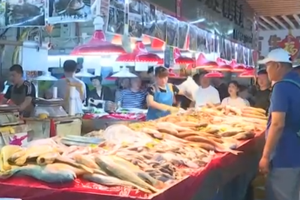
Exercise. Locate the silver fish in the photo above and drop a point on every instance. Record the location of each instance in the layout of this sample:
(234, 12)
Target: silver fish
(111, 181)
(122, 172)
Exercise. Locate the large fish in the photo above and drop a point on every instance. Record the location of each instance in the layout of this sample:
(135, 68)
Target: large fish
(111, 181)
(32, 152)
(140, 173)
(89, 162)
(122, 172)
(6, 152)
(54, 157)
(49, 173)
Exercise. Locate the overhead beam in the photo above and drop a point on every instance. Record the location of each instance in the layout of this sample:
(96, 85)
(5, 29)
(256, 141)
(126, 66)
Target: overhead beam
(269, 22)
(297, 18)
(289, 22)
(264, 26)
(279, 22)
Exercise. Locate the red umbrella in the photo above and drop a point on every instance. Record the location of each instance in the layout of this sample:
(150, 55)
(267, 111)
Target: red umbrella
(139, 54)
(97, 46)
(203, 63)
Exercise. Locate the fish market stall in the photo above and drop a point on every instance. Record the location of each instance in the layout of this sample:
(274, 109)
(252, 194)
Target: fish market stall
(50, 119)
(146, 160)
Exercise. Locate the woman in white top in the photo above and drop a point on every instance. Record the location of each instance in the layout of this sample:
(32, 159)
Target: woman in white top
(234, 99)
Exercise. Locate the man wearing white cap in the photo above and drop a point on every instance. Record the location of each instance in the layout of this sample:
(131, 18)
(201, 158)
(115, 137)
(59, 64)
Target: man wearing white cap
(280, 159)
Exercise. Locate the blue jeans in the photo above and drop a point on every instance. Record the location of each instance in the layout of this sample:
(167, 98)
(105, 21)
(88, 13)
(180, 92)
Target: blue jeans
(283, 184)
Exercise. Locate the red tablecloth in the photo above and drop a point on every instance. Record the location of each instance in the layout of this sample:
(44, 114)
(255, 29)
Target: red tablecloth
(30, 189)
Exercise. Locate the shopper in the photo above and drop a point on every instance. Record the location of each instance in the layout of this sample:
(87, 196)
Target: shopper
(280, 160)
(122, 84)
(64, 85)
(234, 99)
(99, 92)
(221, 87)
(262, 95)
(21, 93)
(206, 93)
(134, 97)
(161, 95)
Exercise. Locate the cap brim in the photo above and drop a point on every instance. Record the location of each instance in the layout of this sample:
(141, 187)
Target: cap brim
(264, 61)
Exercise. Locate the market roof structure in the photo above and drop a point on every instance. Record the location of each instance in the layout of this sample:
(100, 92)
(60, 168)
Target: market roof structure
(277, 14)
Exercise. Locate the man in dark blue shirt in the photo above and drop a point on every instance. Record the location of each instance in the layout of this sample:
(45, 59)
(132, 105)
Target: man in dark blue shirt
(280, 159)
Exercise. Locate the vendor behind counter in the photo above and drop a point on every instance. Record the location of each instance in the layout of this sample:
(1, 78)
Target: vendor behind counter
(21, 93)
(100, 93)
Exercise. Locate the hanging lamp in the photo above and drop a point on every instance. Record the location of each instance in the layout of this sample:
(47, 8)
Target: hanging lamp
(247, 74)
(214, 75)
(124, 73)
(157, 44)
(140, 55)
(182, 60)
(174, 75)
(110, 78)
(203, 63)
(46, 77)
(222, 66)
(84, 73)
(249, 68)
(237, 67)
(98, 45)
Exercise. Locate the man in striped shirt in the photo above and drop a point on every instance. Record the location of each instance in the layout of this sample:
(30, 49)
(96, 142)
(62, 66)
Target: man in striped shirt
(134, 97)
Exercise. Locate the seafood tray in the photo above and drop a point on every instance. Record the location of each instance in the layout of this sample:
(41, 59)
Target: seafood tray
(147, 157)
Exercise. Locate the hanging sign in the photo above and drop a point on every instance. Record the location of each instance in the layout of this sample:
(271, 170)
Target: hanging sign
(135, 19)
(23, 13)
(291, 45)
(65, 11)
(116, 17)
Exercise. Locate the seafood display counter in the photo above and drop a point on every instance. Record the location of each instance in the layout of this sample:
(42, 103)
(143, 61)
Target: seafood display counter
(50, 119)
(175, 157)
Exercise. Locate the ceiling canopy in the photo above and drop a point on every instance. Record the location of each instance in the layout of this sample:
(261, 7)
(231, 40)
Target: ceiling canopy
(277, 14)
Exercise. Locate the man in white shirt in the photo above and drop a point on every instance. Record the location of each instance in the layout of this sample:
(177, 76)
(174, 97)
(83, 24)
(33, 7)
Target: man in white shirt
(206, 93)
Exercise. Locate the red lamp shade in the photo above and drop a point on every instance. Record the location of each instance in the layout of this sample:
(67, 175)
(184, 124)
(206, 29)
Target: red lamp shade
(182, 60)
(157, 44)
(214, 75)
(237, 67)
(247, 74)
(97, 46)
(222, 66)
(139, 54)
(190, 66)
(173, 75)
(249, 68)
(203, 63)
